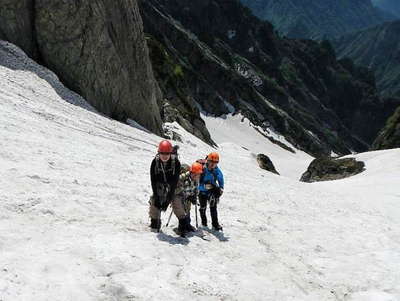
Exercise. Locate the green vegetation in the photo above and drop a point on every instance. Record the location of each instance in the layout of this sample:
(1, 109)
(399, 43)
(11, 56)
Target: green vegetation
(289, 71)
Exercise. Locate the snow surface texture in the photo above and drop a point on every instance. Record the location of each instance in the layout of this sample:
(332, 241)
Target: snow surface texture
(73, 213)
(237, 129)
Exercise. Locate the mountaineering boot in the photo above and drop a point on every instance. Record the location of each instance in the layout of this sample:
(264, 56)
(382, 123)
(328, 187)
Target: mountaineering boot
(182, 227)
(214, 218)
(188, 226)
(217, 227)
(203, 217)
(155, 224)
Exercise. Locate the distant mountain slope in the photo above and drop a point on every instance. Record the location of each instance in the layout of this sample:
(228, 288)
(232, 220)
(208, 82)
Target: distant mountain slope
(390, 6)
(379, 49)
(317, 19)
(218, 55)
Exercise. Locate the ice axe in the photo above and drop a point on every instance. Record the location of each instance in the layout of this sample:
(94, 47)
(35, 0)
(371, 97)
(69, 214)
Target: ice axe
(169, 219)
(197, 223)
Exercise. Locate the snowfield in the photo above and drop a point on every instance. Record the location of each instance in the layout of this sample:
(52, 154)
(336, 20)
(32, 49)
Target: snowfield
(237, 129)
(74, 190)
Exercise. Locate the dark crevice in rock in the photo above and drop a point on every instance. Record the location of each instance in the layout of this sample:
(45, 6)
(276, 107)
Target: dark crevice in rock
(37, 54)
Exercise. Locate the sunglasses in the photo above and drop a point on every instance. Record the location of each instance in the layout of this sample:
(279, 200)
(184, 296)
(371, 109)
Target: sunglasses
(216, 162)
(165, 154)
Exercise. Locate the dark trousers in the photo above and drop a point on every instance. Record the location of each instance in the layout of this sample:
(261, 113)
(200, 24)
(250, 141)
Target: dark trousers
(203, 198)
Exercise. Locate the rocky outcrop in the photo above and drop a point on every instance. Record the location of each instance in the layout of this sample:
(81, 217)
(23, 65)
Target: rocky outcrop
(96, 47)
(230, 61)
(17, 24)
(327, 169)
(317, 19)
(389, 137)
(178, 103)
(265, 163)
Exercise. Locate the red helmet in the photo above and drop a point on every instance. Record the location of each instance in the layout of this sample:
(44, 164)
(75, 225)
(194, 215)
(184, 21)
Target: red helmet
(213, 157)
(165, 147)
(196, 168)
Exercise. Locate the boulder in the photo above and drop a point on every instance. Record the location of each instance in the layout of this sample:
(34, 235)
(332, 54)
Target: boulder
(327, 169)
(265, 163)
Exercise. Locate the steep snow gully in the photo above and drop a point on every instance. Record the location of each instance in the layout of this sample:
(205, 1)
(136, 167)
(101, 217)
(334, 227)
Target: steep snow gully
(74, 190)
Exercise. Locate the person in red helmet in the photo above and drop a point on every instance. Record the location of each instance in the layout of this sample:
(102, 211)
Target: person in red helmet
(164, 176)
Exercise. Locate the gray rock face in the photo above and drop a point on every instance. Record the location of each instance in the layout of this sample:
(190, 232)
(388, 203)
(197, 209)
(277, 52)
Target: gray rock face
(16, 24)
(327, 169)
(178, 105)
(96, 47)
(266, 163)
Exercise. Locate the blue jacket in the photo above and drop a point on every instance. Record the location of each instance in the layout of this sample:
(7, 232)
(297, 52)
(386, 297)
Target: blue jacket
(214, 177)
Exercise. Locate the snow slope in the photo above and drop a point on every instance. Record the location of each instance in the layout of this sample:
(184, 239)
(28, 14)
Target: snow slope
(237, 129)
(73, 213)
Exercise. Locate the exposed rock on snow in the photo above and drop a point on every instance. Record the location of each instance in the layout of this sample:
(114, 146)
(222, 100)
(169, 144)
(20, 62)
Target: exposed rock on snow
(327, 169)
(266, 163)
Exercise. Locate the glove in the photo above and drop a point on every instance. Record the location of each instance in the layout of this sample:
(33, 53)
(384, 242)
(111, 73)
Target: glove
(217, 192)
